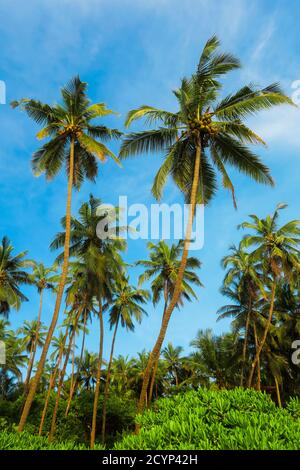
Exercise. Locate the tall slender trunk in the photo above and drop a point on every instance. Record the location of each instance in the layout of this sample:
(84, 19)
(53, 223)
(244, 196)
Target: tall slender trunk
(265, 334)
(258, 362)
(61, 379)
(35, 344)
(278, 392)
(29, 369)
(60, 291)
(178, 285)
(51, 384)
(246, 341)
(155, 367)
(106, 390)
(97, 388)
(74, 383)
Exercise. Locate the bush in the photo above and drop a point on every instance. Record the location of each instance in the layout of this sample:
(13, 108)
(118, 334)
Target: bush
(26, 441)
(214, 420)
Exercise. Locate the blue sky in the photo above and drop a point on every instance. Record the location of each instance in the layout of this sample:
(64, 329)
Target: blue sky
(134, 52)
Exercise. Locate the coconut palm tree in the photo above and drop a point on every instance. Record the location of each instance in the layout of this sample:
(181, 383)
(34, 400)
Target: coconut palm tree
(173, 360)
(33, 335)
(43, 278)
(87, 367)
(125, 307)
(75, 142)
(277, 247)
(12, 276)
(59, 351)
(203, 137)
(247, 278)
(162, 268)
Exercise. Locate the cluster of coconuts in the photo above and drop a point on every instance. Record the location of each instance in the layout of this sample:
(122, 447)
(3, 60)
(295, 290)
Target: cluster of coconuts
(72, 128)
(204, 125)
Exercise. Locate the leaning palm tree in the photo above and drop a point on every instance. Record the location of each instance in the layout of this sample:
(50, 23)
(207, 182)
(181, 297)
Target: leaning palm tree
(125, 307)
(74, 141)
(12, 276)
(277, 247)
(203, 137)
(162, 268)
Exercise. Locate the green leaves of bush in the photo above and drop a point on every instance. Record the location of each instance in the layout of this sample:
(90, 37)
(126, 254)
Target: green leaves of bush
(215, 420)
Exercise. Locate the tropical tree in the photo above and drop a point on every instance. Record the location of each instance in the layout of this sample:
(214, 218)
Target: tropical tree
(277, 248)
(125, 308)
(200, 139)
(246, 277)
(43, 278)
(74, 141)
(33, 335)
(173, 360)
(162, 268)
(12, 276)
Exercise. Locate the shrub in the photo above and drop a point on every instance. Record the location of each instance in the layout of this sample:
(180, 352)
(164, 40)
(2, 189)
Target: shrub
(215, 420)
(26, 441)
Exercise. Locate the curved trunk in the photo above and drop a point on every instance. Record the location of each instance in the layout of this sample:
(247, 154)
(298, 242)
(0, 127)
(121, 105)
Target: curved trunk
(106, 390)
(265, 334)
(51, 385)
(60, 291)
(30, 366)
(278, 392)
(258, 362)
(97, 388)
(245, 342)
(74, 384)
(61, 380)
(155, 367)
(177, 289)
(35, 343)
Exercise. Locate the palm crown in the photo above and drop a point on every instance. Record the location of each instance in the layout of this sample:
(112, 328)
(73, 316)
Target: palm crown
(217, 127)
(70, 121)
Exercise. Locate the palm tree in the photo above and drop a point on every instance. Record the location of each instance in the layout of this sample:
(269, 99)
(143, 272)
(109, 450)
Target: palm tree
(32, 340)
(201, 128)
(42, 278)
(59, 350)
(173, 360)
(163, 267)
(246, 276)
(277, 248)
(87, 367)
(12, 275)
(73, 142)
(101, 261)
(125, 306)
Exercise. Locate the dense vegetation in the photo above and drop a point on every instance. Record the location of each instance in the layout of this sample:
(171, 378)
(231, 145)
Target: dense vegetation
(85, 398)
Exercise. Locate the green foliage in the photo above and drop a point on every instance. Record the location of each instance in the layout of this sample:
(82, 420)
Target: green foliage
(214, 420)
(26, 441)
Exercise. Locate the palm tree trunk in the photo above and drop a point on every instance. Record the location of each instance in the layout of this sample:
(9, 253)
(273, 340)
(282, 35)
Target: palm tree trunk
(36, 380)
(97, 388)
(74, 383)
(29, 369)
(245, 342)
(266, 331)
(155, 367)
(278, 392)
(258, 383)
(177, 289)
(35, 343)
(61, 380)
(106, 390)
(51, 384)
